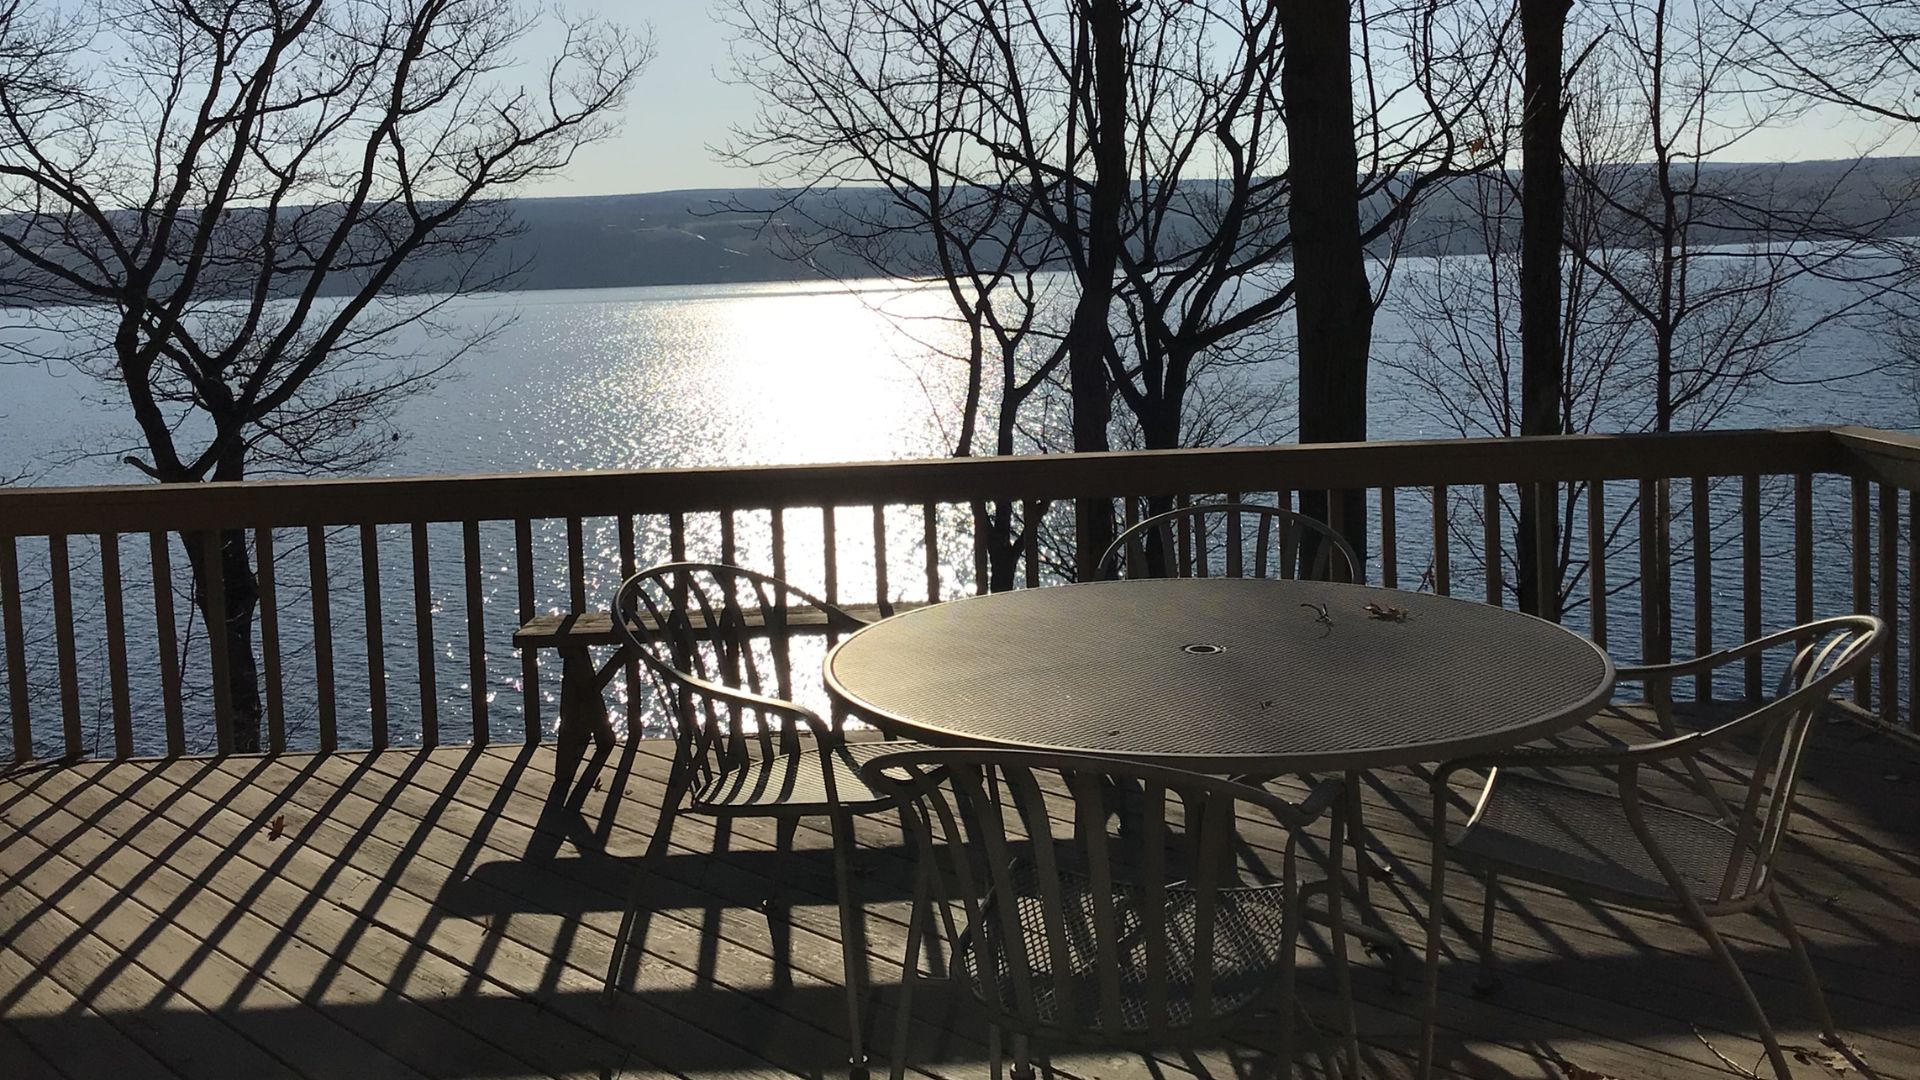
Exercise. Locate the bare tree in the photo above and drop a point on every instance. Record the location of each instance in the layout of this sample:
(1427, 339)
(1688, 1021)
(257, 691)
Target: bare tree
(1860, 57)
(1684, 280)
(1147, 153)
(243, 200)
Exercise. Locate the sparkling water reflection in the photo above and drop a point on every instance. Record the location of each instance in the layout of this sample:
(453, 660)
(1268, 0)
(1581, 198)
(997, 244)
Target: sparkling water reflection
(676, 377)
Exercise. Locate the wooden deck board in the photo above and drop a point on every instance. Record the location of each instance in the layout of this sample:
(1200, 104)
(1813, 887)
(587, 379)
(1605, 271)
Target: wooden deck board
(433, 914)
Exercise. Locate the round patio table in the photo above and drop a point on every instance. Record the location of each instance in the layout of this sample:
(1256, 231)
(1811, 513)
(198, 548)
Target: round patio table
(1222, 675)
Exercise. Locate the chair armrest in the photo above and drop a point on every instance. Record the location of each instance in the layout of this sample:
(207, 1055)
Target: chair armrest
(1719, 659)
(746, 699)
(1587, 757)
(1322, 796)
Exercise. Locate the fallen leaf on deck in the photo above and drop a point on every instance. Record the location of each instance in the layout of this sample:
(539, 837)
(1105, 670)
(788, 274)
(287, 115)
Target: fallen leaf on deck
(1833, 1061)
(1575, 1072)
(277, 826)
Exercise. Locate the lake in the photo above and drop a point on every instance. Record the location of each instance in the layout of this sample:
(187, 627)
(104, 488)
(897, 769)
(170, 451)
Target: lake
(707, 375)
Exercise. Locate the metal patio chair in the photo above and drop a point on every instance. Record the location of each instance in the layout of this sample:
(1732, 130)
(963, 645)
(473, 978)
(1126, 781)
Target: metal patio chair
(1138, 940)
(716, 640)
(1232, 539)
(1694, 853)
(1237, 540)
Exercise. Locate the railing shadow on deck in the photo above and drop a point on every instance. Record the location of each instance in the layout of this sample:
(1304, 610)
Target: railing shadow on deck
(141, 817)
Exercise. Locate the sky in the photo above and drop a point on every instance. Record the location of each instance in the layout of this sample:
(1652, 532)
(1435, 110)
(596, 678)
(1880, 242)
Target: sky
(683, 104)
(680, 106)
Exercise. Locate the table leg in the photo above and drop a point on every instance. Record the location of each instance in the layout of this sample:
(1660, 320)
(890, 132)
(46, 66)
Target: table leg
(1372, 929)
(583, 716)
(1436, 918)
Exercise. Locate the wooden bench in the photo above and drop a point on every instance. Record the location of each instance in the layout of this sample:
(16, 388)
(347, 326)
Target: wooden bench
(583, 705)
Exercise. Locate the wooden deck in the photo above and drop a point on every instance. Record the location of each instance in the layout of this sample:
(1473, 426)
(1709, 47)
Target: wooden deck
(432, 914)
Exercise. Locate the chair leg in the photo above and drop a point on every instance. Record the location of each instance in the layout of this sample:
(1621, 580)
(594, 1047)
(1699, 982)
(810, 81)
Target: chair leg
(1488, 981)
(909, 974)
(1022, 1058)
(1727, 963)
(1290, 1002)
(1342, 973)
(1815, 995)
(995, 1056)
(633, 920)
(853, 951)
(940, 968)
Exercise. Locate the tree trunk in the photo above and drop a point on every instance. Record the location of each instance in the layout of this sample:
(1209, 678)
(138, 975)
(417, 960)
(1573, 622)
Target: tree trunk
(242, 590)
(1543, 203)
(1088, 337)
(1333, 304)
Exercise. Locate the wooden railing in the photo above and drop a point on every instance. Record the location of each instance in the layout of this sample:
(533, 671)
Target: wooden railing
(1678, 542)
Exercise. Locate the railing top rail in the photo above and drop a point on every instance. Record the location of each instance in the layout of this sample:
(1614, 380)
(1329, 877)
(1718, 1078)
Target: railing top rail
(292, 503)
(1890, 457)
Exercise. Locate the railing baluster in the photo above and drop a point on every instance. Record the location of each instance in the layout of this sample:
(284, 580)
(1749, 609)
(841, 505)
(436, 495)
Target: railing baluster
(1389, 542)
(677, 536)
(215, 600)
(1656, 576)
(476, 633)
(981, 576)
(1546, 551)
(1031, 523)
(424, 653)
(114, 604)
(728, 552)
(1442, 571)
(167, 641)
(376, 635)
(1750, 586)
(1702, 582)
(18, 703)
(1862, 579)
(529, 658)
(629, 566)
(322, 601)
(1236, 565)
(929, 521)
(1803, 548)
(269, 594)
(1490, 516)
(576, 564)
(65, 653)
(830, 552)
(1890, 603)
(778, 533)
(1913, 611)
(1597, 560)
(880, 589)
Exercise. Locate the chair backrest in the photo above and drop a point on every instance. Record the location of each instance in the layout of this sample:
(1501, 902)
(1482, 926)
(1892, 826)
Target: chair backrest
(718, 641)
(1125, 939)
(1834, 650)
(1232, 539)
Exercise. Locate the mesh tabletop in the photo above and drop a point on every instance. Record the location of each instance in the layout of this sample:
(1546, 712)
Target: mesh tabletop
(1222, 674)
